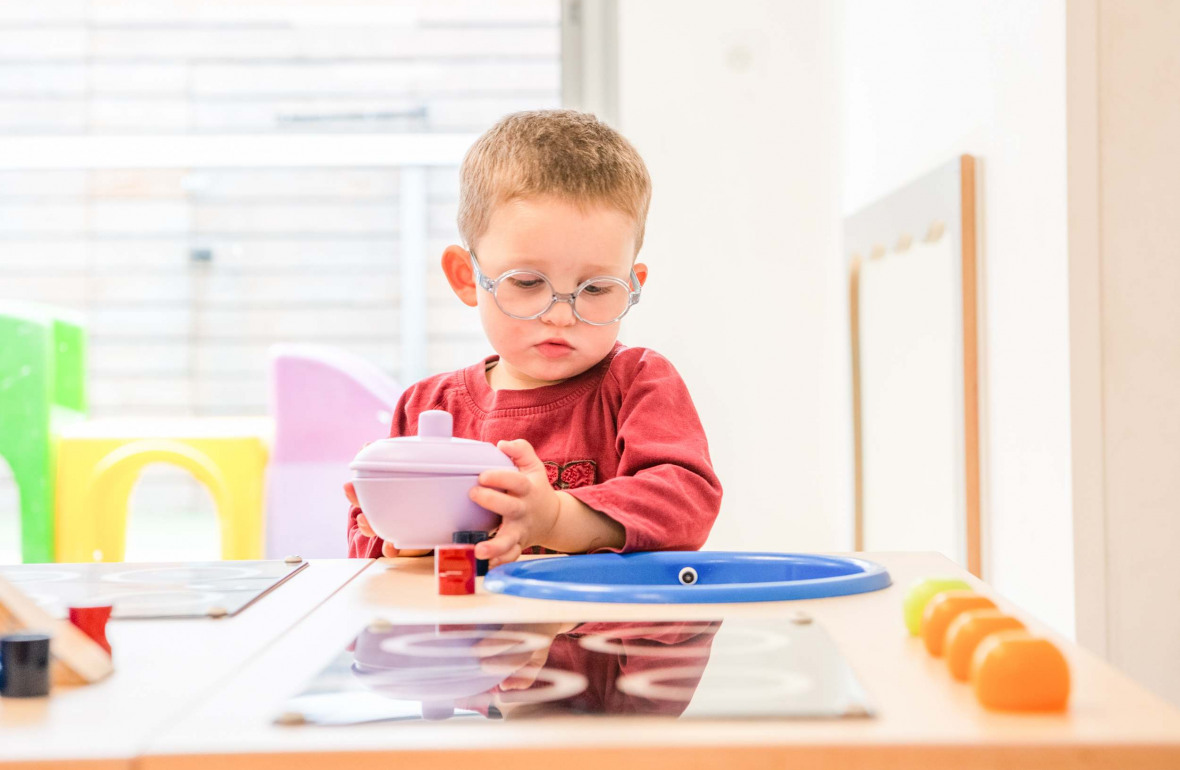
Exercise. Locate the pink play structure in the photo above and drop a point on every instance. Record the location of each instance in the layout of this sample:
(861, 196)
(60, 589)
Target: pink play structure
(327, 404)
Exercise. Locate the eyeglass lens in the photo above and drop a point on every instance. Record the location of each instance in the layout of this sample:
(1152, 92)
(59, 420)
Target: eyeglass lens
(529, 294)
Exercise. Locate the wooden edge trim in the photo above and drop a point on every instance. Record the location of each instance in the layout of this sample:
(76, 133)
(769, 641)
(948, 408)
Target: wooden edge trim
(858, 527)
(979, 755)
(967, 239)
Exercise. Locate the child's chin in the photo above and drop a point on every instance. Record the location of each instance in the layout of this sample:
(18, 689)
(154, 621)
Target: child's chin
(554, 371)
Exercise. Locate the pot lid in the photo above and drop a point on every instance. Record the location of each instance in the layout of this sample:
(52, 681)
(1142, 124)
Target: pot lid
(433, 450)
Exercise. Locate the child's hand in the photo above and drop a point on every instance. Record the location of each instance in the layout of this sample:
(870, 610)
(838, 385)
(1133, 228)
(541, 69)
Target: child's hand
(362, 523)
(525, 674)
(527, 504)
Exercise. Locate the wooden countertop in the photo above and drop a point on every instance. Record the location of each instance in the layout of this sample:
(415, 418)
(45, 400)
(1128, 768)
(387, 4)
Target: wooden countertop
(926, 718)
(161, 668)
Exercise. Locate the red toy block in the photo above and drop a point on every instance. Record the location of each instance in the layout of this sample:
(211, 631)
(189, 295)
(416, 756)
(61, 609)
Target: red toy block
(454, 566)
(92, 620)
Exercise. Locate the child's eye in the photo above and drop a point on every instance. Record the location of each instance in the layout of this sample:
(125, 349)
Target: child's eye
(523, 282)
(599, 289)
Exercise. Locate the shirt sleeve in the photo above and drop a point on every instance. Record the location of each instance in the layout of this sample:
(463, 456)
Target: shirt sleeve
(665, 494)
(360, 546)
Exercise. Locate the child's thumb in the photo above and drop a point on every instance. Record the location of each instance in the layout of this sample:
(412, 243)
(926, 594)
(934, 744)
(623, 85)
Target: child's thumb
(521, 453)
(517, 448)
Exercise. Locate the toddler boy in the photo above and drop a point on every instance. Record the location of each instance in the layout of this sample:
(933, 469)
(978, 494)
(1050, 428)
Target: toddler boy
(609, 451)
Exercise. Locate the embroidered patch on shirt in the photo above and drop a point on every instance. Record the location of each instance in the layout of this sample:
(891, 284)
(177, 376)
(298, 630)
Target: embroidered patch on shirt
(579, 473)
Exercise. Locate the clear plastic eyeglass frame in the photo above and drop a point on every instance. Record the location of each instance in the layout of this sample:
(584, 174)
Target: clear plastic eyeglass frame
(490, 285)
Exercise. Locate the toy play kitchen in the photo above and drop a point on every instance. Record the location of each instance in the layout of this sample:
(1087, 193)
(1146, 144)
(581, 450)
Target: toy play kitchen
(661, 660)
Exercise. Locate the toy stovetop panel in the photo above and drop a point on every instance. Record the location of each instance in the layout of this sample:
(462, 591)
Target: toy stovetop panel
(151, 590)
(737, 668)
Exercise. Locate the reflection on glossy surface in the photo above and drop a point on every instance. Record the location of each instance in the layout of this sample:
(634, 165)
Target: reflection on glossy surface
(441, 663)
(690, 668)
(147, 590)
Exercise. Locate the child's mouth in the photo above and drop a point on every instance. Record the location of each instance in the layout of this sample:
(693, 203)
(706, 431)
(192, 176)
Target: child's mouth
(554, 348)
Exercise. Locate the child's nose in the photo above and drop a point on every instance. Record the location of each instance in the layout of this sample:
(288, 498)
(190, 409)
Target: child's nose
(561, 313)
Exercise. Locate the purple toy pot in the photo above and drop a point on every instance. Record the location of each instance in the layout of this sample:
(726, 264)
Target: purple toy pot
(413, 489)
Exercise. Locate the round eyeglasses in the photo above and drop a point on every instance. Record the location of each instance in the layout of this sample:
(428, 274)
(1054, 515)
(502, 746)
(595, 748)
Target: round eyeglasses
(527, 294)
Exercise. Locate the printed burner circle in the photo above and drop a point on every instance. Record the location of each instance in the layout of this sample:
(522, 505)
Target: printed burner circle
(482, 643)
(256, 584)
(160, 603)
(559, 685)
(47, 602)
(751, 684)
(753, 641)
(181, 575)
(38, 576)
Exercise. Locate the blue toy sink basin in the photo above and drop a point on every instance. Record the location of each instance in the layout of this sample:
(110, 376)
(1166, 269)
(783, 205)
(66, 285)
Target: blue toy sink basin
(687, 577)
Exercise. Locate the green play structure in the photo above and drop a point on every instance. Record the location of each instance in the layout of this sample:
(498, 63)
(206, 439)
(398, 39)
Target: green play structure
(42, 385)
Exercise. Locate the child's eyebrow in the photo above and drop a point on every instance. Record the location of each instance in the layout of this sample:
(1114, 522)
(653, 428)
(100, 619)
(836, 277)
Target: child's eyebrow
(584, 271)
(595, 272)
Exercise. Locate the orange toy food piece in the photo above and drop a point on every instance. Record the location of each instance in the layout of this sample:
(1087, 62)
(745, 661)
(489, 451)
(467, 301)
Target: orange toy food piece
(944, 608)
(966, 632)
(1016, 671)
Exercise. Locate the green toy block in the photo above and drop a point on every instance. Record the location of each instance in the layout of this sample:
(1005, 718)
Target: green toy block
(42, 382)
(920, 594)
(69, 365)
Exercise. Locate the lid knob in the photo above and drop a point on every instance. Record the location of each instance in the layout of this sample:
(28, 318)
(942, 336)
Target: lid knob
(435, 424)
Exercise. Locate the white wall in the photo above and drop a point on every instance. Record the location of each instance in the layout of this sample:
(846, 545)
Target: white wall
(765, 123)
(1124, 162)
(923, 81)
(733, 107)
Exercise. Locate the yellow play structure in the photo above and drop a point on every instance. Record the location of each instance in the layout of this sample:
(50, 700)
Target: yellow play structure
(75, 476)
(99, 461)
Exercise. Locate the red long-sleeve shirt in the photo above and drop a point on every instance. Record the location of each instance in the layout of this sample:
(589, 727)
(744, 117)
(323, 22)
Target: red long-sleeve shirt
(623, 437)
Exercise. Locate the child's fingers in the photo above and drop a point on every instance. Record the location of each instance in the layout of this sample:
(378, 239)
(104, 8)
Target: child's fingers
(513, 482)
(363, 525)
(496, 501)
(389, 550)
(525, 676)
(505, 539)
(521, 679)
(511, 555)
(350, 493)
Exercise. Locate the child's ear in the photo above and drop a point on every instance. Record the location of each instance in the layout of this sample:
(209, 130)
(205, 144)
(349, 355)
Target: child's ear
(640, 272)
(456, 264)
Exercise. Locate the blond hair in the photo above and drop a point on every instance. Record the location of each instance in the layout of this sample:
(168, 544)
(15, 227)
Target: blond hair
(568, 154)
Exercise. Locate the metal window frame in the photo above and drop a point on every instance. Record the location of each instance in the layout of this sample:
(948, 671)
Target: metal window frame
(590, 57)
